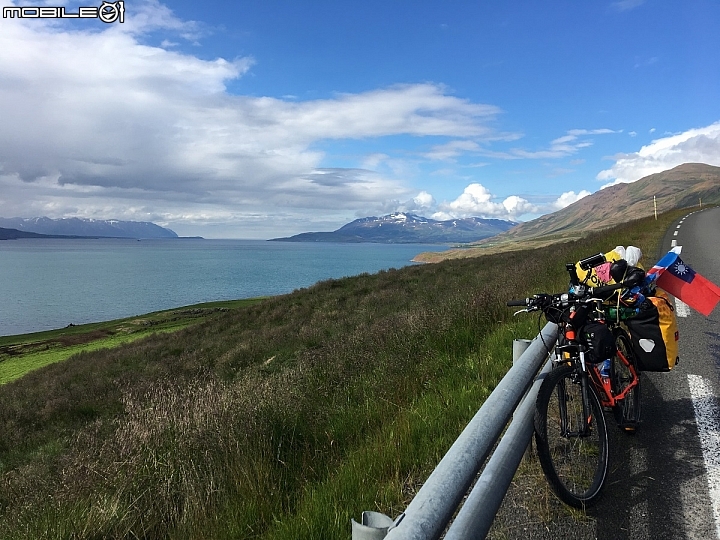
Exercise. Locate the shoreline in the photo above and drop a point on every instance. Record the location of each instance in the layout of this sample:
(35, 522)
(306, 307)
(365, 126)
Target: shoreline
(81, 327)
(22, 353)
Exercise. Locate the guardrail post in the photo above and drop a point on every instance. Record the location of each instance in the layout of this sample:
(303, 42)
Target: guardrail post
(519, 347)
(373, 526)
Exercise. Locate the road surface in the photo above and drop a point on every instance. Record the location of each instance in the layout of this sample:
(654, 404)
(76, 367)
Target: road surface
(664, 481)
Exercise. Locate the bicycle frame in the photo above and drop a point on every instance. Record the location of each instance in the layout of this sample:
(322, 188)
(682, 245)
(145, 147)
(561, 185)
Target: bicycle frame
(574, 353)
(604, 388)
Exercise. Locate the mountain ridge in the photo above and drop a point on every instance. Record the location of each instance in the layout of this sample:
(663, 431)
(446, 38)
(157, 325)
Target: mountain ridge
(83, 227)
(406, 228)
(678, 187)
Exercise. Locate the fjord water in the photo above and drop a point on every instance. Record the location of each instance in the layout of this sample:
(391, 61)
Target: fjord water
(50, 283)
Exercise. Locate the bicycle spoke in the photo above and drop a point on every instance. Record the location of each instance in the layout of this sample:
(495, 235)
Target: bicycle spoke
(573, 458)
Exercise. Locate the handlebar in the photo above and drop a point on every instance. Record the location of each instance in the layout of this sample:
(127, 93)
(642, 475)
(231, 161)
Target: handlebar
(579, 294)
(575, 305)
(539, 301)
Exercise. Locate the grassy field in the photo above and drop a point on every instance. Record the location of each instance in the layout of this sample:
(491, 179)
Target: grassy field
(27, 352)
(282, 419)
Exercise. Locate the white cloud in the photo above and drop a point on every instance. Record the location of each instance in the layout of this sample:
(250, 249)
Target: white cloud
(517, 206)
(442, 216)
(373, 161)
(567, 198)
(476, 200)
(423, 203)
(451, 150)
(701, 145)
(424, 200)
(98, 121)
(566, 145)
(572, 142)
(149, 15)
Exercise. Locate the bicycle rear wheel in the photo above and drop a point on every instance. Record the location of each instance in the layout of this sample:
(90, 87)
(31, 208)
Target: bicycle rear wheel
(575, 463)
(627, 410)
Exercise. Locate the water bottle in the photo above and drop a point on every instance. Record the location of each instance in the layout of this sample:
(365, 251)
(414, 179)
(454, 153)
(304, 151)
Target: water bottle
(604, 369)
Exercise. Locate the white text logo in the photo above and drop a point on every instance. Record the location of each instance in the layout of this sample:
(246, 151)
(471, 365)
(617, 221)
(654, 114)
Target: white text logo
(108, 12)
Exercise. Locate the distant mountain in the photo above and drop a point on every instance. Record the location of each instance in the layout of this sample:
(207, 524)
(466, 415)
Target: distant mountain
(88, 227)
(402, 228)
(14, 234)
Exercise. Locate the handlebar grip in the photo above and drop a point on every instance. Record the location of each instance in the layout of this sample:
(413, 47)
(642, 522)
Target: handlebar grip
(522, 303)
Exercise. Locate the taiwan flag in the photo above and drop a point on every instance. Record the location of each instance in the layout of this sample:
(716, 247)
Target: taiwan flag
(677, 278)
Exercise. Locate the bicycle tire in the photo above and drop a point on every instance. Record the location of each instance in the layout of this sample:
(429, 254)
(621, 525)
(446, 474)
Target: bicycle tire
(574, 465)
(626, 411)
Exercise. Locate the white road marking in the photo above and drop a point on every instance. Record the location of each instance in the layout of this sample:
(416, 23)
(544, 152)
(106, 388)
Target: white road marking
(681, 308)
(677, 227)
(707, 416)
(675, 233)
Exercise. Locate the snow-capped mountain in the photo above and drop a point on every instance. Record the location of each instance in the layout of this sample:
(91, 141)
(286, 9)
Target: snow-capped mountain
(401, 227)
(111, 228)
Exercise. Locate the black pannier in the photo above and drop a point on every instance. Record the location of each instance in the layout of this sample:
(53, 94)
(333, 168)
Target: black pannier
(654, 334)
(599, 338)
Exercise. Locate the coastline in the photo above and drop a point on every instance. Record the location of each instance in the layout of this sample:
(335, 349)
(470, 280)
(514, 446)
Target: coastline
(22, 353)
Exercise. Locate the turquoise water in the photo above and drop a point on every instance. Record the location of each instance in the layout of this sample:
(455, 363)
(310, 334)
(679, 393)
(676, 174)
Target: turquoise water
(48, 284)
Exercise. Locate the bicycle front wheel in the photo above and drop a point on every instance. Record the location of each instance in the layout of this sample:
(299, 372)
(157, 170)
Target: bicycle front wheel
(627, 410)
(573, 453)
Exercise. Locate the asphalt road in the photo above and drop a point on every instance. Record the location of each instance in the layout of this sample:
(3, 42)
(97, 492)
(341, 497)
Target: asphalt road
(660, 486)
(664, 481)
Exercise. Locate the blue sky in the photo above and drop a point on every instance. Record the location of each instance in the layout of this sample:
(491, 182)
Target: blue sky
(256, 119)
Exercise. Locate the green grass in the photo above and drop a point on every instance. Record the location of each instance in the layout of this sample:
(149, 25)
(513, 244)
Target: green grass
(24, 353)
(282, 419)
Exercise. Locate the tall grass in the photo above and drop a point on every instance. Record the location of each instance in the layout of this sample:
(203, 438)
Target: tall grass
(279, 420)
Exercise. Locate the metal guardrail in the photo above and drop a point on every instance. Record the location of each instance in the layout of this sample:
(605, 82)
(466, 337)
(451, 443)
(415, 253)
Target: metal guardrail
(429, 513)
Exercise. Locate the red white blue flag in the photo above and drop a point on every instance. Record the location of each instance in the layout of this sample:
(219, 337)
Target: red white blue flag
(684, 283)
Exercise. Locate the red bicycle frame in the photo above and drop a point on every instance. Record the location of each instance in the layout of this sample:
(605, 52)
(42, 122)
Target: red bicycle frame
(604, 387)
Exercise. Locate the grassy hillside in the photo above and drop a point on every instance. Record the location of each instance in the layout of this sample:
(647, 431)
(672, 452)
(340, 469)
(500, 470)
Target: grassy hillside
(684, 186)
(681, 187)
(283, 419)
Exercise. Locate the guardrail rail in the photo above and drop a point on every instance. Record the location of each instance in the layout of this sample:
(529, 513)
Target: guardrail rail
(431, 510)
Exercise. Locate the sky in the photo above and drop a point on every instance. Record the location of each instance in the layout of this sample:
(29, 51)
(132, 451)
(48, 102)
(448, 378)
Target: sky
(264, 118)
